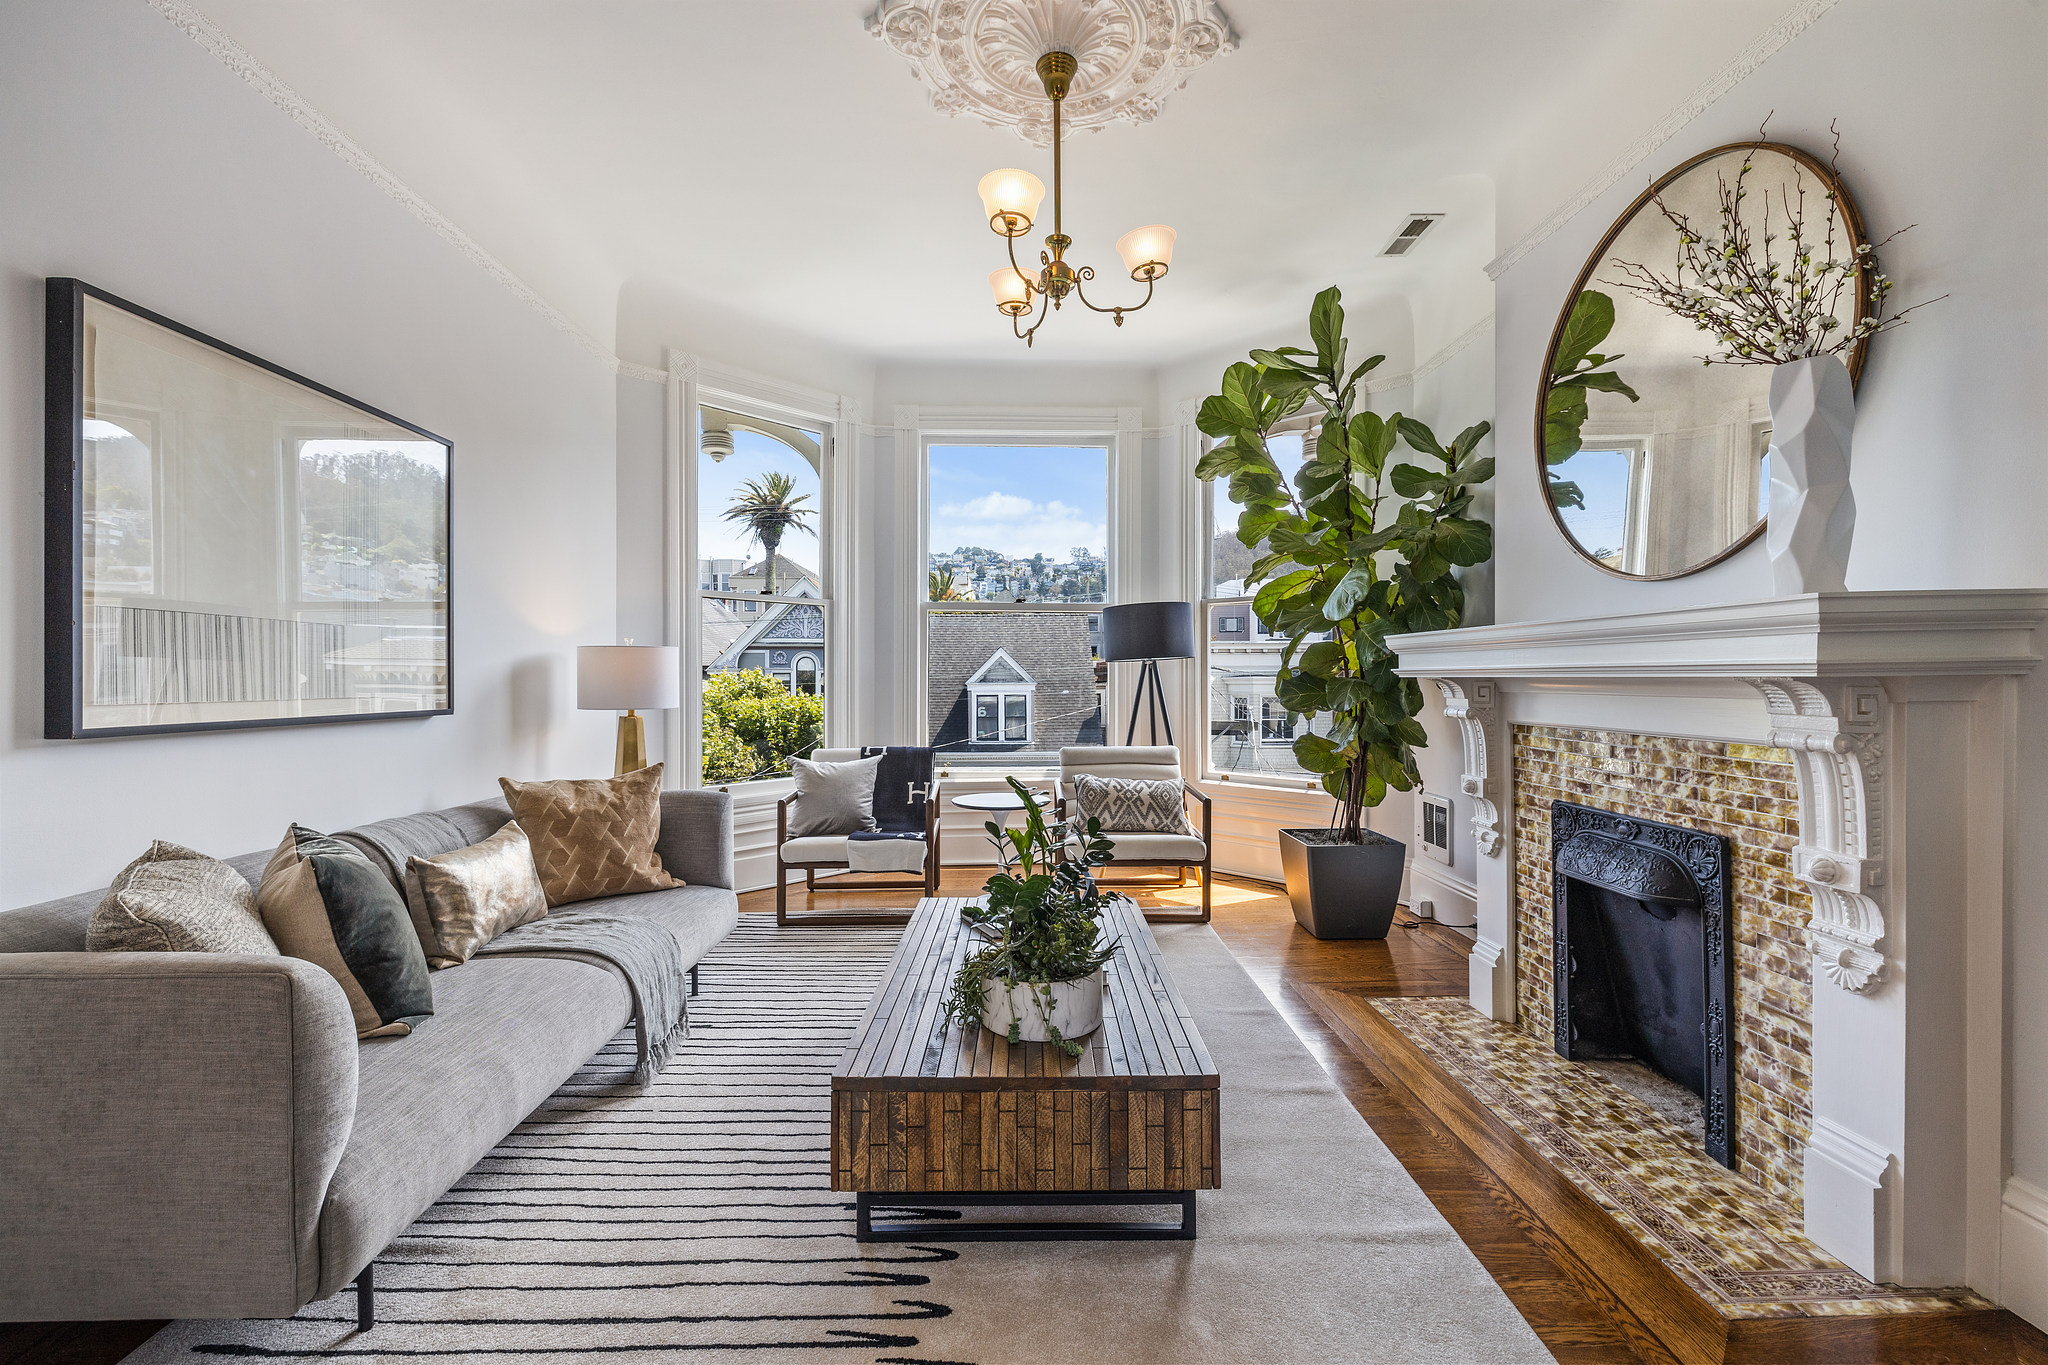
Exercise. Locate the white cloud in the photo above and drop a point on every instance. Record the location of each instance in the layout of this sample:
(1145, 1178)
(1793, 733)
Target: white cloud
(1016, 526)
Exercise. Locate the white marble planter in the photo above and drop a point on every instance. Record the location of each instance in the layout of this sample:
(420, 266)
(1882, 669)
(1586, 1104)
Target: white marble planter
(1076, 1011)
(1813, 510)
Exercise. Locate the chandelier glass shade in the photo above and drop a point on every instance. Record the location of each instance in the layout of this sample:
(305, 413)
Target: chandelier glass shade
(1011, 199)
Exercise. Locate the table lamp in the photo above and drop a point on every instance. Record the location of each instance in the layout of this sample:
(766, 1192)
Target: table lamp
(1149, 631)
(627, 678)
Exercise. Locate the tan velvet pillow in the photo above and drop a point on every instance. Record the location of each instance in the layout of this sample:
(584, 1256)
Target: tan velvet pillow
(592, 838)
(475, 894)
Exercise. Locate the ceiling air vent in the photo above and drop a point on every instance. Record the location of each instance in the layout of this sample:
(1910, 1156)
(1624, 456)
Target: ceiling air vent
(1410, 233)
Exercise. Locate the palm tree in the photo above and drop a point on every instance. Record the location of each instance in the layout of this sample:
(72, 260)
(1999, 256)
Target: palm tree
(767, 508)
(943, 588)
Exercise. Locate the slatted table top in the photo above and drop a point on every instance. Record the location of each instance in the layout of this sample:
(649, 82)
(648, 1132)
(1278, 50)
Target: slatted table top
(1148, 1038)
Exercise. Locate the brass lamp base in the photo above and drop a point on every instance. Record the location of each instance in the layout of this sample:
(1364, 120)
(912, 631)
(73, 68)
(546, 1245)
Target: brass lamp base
(632, 756)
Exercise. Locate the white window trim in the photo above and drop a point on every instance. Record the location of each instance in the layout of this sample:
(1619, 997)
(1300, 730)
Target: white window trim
(920, 428)
(694, 382)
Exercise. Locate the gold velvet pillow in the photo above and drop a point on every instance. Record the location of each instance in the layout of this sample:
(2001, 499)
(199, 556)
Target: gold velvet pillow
(592, 838)
(475, 894)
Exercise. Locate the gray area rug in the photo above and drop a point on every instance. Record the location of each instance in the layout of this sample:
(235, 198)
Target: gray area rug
(693, 1222)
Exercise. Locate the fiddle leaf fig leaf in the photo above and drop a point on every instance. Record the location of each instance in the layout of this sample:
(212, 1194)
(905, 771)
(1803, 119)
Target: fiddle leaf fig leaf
(1326, 327)
(1591, 319)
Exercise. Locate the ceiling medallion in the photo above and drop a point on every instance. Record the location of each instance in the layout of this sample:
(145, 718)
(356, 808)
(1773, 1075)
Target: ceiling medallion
(980, 57)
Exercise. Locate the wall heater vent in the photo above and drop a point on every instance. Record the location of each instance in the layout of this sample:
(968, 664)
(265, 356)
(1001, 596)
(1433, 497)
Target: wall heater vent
(1433, 827)
(1410, 233)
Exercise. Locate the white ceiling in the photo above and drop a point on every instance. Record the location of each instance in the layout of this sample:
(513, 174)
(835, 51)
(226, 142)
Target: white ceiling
(770, 160)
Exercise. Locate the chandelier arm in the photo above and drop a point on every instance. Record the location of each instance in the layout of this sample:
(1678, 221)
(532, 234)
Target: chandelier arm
(1011, 243)
(1026, 336)
(1088, 272)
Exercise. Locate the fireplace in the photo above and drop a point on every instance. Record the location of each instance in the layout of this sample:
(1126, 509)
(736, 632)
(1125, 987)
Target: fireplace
(1640, 953)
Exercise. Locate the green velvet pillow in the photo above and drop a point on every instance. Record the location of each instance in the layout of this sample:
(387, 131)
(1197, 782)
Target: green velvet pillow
(324, 901)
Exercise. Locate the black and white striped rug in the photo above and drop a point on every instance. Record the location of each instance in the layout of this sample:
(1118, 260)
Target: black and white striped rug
(693, 1221)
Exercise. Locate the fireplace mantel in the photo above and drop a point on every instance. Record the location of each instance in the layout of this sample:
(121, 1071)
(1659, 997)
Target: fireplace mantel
(1901, 713)
(1967, 631)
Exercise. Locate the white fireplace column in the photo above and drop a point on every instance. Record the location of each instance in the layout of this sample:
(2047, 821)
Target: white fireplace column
(1486, 784)
(1899, 709)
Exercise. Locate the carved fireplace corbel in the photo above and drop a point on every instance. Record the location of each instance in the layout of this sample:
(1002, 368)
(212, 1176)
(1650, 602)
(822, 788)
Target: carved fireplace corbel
(1470, 702)
(1839, 755)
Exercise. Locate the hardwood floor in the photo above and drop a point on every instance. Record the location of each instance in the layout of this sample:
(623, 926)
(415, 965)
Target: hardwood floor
(1557, 1262)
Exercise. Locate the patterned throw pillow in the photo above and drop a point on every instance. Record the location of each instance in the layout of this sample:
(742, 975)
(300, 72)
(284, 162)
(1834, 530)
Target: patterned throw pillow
(475, 894)
(1131, 805)
(172, 900)
(326, 903)
(592, 838)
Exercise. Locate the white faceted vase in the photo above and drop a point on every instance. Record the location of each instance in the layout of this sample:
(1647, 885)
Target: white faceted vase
(1076, 1009)
(1813, 510)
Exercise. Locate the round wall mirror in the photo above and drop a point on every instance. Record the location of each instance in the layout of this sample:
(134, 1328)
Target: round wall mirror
(1654, 463)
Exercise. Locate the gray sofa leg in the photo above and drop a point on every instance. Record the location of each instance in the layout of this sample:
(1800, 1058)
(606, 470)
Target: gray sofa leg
(693, 979)
(366, 1298)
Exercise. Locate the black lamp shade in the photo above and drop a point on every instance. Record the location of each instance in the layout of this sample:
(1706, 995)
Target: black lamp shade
(1148, 630)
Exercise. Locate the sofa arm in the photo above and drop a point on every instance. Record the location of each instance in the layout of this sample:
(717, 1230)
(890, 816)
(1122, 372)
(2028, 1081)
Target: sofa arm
(172, 1122)
(695, 842)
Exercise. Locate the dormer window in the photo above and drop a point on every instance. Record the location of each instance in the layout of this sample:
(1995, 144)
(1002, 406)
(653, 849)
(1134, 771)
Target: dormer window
(999, 701)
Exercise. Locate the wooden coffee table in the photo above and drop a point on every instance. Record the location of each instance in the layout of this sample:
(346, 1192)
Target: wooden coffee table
(929, 1113)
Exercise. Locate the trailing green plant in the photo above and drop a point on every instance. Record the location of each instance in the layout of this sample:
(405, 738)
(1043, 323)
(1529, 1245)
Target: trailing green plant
(1576, 367)
(1351, 546)
(1042, 917)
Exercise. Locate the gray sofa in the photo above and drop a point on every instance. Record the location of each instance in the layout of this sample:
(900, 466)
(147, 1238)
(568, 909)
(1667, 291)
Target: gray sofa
(192, 1135)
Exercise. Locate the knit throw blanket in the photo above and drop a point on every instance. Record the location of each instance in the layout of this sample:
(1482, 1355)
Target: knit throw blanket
(646, 954)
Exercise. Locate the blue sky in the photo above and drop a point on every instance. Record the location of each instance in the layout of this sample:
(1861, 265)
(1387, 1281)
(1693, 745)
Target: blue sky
(1020, 500)
(752, 456)
(1602, 477)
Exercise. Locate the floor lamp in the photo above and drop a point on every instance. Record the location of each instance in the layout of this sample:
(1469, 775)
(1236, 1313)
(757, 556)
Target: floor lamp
(1145, 633)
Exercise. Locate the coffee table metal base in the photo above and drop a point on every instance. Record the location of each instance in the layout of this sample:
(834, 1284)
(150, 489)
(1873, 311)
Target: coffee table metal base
(869, 1230)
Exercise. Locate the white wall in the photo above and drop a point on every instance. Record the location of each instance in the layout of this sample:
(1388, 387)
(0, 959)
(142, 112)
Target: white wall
(132, 159)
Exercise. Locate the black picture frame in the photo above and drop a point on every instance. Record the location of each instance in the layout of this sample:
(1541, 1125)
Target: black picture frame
(64, 610)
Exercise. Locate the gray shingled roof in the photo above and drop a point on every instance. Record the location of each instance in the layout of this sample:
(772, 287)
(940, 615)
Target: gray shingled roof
(1052, 647)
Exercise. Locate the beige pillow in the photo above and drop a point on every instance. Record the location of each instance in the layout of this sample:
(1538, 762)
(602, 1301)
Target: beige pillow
(1132, 805)
(326, 903)
(475, 894)
(592, 838)
(173, 900)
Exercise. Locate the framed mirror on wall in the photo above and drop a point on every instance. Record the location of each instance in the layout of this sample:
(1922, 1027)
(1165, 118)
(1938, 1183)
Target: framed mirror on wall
(1654, 464)
(227, 544)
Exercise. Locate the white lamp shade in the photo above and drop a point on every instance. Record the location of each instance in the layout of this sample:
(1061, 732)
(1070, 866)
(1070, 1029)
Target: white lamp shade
(1013, 192)
(628, 677)
(1145, 246)
(1012, 290)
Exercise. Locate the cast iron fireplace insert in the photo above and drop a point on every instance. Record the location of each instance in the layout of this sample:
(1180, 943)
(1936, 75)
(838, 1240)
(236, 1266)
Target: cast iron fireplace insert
(1640, 953)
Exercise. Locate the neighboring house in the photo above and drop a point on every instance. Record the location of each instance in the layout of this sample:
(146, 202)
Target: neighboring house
(1248, 727)
(1012, 682)
(785, 640)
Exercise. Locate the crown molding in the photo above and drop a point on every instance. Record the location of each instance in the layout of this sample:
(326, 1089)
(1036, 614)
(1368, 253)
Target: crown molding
(1789, 25)
(236, 58)
(1435, 362)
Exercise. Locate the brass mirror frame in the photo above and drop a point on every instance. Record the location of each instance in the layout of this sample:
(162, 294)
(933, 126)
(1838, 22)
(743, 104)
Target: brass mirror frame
(1852, 222)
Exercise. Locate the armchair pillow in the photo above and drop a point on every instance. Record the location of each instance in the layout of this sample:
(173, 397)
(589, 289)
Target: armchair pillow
(474, 894)
(326, 903)
(833, 798)
(592, 838)
(1131, 805)
(173, 900)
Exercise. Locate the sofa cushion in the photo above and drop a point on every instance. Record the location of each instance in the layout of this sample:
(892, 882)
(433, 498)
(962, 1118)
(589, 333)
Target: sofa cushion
(475, 894)
(507, 1032)
(173, 900)
(326, 903)
(592, 837)
(699, 916)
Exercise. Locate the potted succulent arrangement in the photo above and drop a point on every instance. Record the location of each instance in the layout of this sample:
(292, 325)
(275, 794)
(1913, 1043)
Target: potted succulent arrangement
(1039, 977)
(1350, 548)
(1793, 296)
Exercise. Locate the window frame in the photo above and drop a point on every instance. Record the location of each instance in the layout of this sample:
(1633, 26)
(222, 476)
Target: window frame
(695, 384)
(1107, 430)
(1307, 421)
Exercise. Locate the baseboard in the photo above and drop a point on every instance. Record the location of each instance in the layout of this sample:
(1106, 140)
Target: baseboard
(1847, 1204)
(2023, 1251)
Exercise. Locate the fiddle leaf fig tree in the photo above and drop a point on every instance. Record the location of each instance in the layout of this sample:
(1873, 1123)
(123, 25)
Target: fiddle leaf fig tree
(1354, 545)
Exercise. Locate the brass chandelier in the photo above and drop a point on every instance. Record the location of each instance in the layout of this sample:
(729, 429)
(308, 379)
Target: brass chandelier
(1011, 199)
